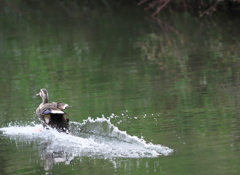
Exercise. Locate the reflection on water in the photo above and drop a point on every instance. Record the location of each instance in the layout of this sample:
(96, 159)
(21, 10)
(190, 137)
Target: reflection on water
(50, 156)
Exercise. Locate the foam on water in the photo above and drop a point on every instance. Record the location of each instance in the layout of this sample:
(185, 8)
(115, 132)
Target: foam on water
(97, 138)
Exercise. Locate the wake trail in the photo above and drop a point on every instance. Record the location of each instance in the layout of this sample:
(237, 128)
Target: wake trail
(97, 138)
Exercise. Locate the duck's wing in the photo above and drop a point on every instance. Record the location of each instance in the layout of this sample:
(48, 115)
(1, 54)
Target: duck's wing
(48, 108)
(47, 111)
(60, 105)
(51, 110)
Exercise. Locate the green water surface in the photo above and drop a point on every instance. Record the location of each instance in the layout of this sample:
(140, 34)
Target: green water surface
(174, 86)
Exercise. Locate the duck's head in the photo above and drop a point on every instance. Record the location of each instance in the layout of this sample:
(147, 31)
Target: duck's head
(44, 94)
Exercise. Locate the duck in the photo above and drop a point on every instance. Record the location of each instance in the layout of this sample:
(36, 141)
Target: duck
(52, 114)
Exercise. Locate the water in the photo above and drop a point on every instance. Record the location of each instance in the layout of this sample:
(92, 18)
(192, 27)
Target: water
(145, 99)
(92, 138)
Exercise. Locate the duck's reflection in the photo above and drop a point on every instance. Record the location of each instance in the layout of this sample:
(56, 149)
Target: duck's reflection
(50, 155)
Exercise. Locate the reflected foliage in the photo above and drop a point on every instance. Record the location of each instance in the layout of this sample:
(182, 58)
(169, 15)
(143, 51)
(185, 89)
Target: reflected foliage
(201, 8)
(73, 7)
(202, 78)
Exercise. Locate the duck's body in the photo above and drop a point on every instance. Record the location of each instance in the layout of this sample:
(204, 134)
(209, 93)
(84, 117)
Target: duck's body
(52, 114)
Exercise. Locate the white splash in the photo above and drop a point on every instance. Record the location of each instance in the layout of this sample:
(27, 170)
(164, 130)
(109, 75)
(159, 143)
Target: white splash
(93, 138)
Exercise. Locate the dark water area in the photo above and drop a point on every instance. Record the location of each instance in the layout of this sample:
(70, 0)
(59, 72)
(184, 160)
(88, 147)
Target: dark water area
(147, 96)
